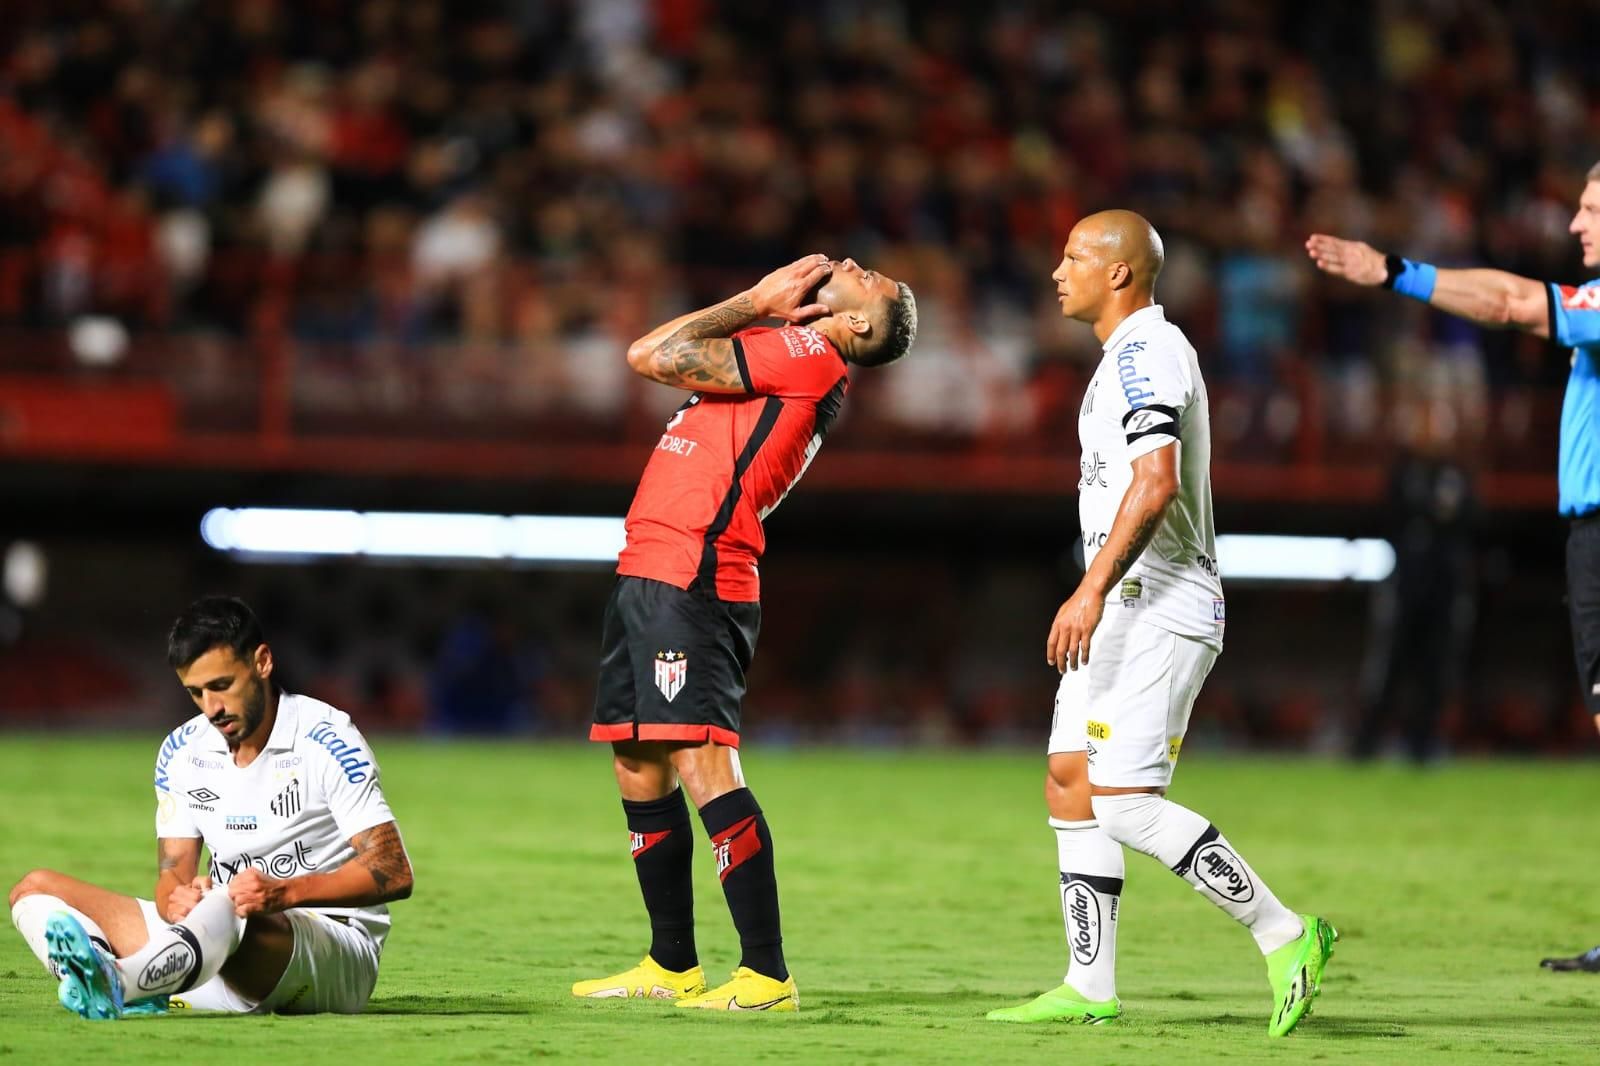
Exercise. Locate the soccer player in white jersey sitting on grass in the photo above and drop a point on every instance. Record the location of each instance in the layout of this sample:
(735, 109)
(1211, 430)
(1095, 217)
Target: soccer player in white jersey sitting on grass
(1151, 605)
(283, 790)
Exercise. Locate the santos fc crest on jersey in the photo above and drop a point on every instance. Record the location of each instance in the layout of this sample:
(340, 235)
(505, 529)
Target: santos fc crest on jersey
(672, 670)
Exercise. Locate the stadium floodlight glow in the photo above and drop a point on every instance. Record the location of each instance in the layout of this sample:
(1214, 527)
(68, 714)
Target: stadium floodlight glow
(1251, 557)
(271, 533)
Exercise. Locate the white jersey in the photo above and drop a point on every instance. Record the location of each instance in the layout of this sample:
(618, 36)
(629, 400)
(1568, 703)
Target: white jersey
(1147, 394)
(292, 811)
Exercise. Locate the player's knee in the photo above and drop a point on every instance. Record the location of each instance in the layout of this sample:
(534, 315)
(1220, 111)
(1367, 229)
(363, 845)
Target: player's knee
(34, 882)
(1128, 817)
(706, 771)
(1066, 798)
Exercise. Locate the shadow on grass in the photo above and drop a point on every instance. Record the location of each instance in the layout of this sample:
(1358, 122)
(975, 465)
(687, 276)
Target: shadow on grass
(838, 998)
(446, 1005)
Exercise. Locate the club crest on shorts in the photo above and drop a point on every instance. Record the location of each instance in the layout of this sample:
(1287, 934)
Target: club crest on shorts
(672, 670)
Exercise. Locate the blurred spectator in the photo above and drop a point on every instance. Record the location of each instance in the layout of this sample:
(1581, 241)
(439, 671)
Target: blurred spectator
(439, 185)
(477, 684)
(1423, 616)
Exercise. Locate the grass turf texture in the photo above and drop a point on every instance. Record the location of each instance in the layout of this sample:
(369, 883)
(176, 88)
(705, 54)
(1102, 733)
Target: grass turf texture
(918, 891)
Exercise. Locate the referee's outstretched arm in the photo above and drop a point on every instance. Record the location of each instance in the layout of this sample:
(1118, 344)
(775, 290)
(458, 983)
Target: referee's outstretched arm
(1491, 298)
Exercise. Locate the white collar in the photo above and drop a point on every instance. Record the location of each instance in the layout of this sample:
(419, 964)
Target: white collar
(1148, 313)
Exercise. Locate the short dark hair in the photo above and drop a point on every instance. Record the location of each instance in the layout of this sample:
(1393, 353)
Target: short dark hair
(899, 330)
(213, 622)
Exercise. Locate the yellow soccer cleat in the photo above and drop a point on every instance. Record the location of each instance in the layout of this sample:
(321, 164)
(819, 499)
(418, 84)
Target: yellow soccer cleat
(648, 980)
(748, 991)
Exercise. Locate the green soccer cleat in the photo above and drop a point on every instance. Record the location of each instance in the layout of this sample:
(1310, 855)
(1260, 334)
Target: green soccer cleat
(1295, 971)
(90, 985)
(1061, 1004)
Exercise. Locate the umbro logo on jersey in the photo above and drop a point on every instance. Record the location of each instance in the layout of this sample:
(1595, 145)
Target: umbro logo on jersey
(200, 797)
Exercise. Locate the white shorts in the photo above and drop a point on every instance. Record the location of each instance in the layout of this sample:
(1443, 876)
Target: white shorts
(332, 969)
(1129, 707)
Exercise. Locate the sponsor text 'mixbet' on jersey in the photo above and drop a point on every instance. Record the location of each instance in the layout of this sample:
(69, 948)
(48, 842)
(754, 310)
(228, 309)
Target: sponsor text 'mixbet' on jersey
(292, 811)
(1146, 394)
(726, 460)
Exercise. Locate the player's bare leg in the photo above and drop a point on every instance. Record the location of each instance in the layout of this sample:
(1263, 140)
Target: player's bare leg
(258, 963)
(96, 941)
(661, 839)
(111, 917)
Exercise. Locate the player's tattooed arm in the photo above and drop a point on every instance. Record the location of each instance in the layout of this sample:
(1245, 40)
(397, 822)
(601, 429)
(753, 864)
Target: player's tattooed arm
(177, 861)
(1155, 484)
(1148, 521)
(382, 854)
(698, 354)
(694, 352)
(1144, 505)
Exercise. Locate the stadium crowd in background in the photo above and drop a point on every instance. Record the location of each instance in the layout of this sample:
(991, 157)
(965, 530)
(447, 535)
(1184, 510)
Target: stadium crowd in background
(383, 175)
(440, 189)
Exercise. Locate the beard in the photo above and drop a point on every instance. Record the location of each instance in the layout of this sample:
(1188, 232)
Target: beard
(253, 711)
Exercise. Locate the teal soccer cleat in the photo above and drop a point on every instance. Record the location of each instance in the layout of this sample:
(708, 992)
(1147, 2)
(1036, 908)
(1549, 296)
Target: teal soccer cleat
(90, 985)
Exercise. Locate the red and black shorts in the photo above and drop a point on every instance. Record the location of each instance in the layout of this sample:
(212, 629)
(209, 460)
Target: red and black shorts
(672, 664)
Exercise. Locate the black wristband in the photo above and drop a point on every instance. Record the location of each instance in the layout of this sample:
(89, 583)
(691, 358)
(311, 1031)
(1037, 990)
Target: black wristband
(1393, 266)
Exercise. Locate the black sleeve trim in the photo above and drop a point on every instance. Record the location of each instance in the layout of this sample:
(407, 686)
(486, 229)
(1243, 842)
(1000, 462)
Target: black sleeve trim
(744, 368)
(1169, 429)
(1160, 408)
(1550, 309)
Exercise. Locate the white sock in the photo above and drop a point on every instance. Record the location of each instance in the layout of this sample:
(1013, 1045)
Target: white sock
(1091, 890)
(33, 910)
(189, 954)
(1193, 849)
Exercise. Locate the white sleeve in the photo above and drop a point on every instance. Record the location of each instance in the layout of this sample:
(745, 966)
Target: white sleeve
(350, 778)
(1154, 392)
(172, 814)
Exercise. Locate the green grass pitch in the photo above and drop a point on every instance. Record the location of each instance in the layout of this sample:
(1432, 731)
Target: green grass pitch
(918, 891)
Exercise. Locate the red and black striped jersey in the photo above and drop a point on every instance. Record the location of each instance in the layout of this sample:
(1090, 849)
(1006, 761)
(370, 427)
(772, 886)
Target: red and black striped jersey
(727, 459)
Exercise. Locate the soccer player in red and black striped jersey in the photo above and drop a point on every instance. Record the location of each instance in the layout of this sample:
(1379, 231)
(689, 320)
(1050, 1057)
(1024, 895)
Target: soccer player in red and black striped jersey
(680, 627)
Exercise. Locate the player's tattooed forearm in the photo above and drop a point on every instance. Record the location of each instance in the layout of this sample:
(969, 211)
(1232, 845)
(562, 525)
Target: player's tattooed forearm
(686, 356)
(381, 851)
(718, 321)
(168, 857)
(698, 362)
(1141, 538)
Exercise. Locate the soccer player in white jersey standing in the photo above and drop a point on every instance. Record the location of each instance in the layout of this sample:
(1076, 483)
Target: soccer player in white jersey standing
(283, 791)
(1150, 609)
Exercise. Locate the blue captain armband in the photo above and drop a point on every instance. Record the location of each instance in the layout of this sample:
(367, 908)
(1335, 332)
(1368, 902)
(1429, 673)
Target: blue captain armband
(1409, 278)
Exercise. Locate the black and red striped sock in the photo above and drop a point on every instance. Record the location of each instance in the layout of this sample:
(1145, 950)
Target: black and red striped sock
(743, 848)
(662, 842)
